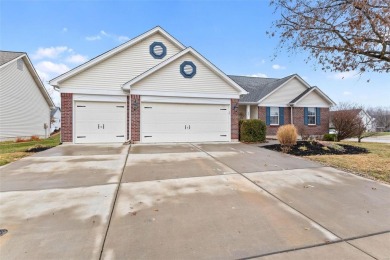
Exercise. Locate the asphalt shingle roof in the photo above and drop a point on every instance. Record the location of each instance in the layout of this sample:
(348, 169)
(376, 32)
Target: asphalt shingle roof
(257, 87)
(6, 56)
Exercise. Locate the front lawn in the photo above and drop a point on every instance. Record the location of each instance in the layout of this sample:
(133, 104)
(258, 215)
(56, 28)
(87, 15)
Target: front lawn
(375, 164)
(12, 151)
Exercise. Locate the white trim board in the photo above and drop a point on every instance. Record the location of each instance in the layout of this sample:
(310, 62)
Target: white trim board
(103, 98)
(180, 94)
(155, 99)
(91, 91)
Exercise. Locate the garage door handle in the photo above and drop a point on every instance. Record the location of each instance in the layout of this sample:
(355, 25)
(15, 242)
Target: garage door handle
(103, 126)
(189, 127)
(185, 127)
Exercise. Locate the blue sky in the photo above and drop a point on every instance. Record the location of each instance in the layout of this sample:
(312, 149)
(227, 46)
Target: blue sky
(59, 35)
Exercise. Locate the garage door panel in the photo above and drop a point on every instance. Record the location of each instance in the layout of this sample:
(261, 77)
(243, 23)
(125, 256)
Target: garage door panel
(100, 122)
(163, 128)
(169, 122)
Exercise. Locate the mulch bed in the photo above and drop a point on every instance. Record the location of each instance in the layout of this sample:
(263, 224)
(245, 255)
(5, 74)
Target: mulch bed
(305, 148)
(37, 149)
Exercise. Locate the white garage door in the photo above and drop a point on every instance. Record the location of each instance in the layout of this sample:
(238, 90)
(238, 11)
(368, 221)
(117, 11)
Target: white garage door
(100, 122)
(167, 122)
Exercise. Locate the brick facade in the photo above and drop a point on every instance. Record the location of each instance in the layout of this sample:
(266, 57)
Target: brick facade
(298, 120)
(128, 117)
(135, 117)
(234, 119)
(66, 117)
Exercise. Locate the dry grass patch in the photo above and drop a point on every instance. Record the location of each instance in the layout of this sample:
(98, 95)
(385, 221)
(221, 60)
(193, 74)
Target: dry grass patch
(375, 164)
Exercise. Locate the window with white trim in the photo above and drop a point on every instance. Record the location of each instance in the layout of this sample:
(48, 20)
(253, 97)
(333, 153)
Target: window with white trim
(311, 115)
(274, 116)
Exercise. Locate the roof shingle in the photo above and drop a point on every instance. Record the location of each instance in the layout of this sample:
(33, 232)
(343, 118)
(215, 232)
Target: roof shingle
(258, 87)
(7, 56)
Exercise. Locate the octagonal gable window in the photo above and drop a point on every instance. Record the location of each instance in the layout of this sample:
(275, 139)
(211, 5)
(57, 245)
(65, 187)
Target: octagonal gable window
(158, 50)
(188, 69)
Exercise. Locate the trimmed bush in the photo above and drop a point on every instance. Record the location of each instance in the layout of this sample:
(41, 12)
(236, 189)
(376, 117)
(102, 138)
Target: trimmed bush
(287, 136)
(329, 137)
(252, 130)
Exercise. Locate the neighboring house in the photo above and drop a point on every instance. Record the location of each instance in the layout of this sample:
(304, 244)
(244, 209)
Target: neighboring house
(289, 100)
(367, 120)
(24, 102)
(55, 119)
(149, 89)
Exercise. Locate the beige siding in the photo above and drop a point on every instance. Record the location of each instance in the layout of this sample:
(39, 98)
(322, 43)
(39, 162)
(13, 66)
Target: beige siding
(284, 95)
(23, 109)
(122, 67)
(254, 112)
(313, 99)
(169, 79)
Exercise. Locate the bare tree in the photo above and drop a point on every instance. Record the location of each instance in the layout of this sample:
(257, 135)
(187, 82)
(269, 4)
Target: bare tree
(382, 117)
(342, 35)
(346, 121)
(364, 127)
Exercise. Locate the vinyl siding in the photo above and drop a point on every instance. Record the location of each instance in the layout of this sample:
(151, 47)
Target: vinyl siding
(284, 95)
(254, 112)
(169, 79)
(122, 67)
(23, 109)
(313, 99)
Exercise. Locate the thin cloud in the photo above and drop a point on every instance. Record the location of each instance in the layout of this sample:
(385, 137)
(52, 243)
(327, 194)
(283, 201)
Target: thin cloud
(77, 59)
(103, 34)
(47, 69)
(93, 38)
(344, 75)
(260, 75)
(347, 93)
(278, 67)
(50, 52)
(64, 29)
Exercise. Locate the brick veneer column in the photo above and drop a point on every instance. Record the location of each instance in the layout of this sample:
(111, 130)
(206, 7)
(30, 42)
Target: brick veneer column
(128, 117)
(234, 119)
(135, 117)
(66, 117)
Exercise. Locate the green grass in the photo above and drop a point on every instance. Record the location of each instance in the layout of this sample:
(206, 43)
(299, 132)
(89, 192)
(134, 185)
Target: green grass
(382, 134)
(375, 164)
(11, 151)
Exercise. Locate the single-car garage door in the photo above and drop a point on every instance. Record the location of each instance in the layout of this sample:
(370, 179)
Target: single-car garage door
(100, 122)
(168, 122)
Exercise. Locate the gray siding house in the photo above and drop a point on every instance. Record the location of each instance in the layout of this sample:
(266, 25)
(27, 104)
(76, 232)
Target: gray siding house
(25, 104)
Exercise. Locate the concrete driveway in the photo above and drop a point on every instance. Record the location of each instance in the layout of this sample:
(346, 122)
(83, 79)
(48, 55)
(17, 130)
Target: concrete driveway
(187, 201)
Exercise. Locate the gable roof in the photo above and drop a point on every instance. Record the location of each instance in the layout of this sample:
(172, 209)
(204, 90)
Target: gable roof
(300, 96)
(114, 51)
(307, 92)
(258, 88)
(190, 50)
(9, 56)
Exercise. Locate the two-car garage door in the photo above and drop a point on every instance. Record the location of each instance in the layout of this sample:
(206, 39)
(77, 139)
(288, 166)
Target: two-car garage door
(106, 122)
(175, 122)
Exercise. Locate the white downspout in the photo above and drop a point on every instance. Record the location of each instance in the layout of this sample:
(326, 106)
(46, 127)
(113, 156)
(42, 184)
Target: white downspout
(292, 115)
(248, 112)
